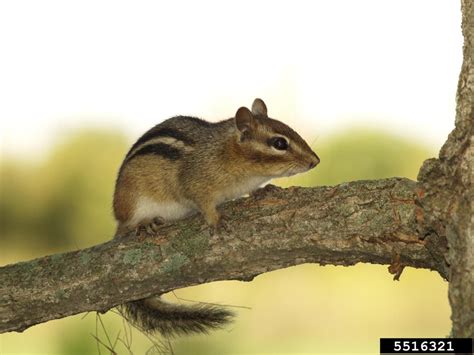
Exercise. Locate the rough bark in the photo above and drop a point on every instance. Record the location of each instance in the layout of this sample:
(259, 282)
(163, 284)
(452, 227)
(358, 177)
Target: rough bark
(364, 221)
(446, 194)
(392, 221)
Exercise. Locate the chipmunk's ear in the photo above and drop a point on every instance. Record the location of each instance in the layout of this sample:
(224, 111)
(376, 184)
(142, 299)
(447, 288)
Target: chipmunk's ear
(259, 107)
(244, 120)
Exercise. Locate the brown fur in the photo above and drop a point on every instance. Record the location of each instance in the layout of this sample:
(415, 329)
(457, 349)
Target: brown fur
(185, 164)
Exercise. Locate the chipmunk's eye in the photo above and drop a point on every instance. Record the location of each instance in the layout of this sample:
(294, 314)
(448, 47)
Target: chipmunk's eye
(279, 143)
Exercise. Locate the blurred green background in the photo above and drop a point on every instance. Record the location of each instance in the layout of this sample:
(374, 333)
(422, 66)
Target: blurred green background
(63, 202)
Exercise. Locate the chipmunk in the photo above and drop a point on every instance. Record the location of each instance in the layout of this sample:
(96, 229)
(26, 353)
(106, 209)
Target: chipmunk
(186, 165)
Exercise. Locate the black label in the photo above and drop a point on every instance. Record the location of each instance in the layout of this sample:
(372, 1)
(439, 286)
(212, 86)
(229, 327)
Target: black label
(426, 345)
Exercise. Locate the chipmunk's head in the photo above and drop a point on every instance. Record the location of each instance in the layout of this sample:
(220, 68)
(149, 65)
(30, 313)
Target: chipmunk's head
(274, 148)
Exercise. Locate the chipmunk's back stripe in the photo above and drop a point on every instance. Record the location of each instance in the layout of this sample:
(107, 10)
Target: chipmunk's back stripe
(198, 121)
(161, 149)
(160, 132)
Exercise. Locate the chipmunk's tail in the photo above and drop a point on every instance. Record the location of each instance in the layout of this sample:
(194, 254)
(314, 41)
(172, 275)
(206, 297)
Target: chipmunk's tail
(153, 315)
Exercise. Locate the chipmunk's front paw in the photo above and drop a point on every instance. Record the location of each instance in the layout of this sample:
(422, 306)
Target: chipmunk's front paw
(264, 191)
(222, 226)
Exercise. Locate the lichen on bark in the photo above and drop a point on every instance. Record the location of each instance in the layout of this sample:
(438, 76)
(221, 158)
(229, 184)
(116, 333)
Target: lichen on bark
(390, 221)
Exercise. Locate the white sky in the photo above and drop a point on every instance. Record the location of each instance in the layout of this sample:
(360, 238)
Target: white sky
(319, 65)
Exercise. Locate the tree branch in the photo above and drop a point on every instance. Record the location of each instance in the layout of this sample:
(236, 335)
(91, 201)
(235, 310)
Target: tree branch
(446, 194)
(391, 221)
(362, 221)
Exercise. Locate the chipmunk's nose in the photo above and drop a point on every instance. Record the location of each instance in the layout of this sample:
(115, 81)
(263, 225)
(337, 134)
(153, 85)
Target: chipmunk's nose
(315, 161)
